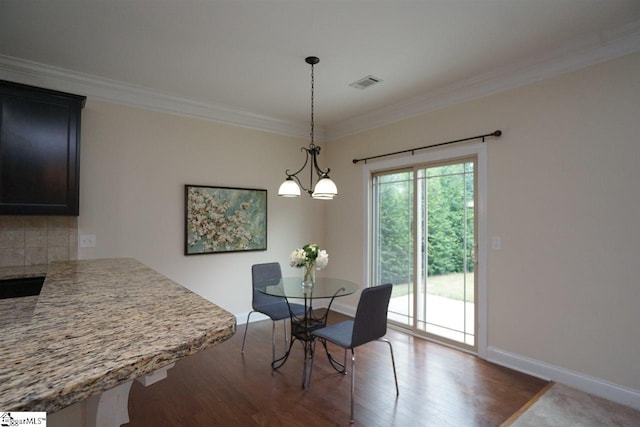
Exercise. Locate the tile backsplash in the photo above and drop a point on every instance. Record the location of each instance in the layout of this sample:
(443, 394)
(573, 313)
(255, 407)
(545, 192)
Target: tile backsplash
(36, 240)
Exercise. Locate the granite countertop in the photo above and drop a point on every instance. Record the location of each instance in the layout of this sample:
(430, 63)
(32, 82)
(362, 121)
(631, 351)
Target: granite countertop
(23, 272)
(95, 325)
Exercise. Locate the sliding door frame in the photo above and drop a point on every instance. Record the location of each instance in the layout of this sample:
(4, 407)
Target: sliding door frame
(442, 154)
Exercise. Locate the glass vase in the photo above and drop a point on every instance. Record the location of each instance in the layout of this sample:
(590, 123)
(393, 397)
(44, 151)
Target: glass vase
(309, 276)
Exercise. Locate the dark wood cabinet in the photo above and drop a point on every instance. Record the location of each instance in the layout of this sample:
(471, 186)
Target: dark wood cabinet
(39, 150)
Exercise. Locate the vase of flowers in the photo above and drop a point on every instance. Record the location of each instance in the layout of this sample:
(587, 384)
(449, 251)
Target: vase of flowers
(310, 258)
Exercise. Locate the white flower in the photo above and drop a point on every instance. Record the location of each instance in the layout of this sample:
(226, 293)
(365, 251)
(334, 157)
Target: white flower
(309, 257)
(298, 258)
(322, 260)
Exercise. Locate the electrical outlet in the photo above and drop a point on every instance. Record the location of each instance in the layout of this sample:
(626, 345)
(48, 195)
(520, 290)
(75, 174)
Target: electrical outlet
(87, 240)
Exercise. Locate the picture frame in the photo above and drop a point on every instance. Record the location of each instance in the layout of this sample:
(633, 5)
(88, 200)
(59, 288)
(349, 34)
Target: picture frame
(224, 219)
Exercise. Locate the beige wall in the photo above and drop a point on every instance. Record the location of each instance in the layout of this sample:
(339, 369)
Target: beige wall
(134, 165)
(563, 195)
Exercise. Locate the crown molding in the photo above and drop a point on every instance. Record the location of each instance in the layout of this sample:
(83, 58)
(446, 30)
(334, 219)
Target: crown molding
(101, 89)
(580, 54)
(605, 46)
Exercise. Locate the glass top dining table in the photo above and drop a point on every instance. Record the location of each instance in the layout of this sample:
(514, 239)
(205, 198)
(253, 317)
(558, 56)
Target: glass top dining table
(323, 287)
(303, 326)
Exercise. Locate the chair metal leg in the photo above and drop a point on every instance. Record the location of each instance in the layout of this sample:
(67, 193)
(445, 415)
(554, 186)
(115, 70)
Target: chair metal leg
(344, 363)
(393, 363)
(353, 380)
(273, 341)
(286, 338)
(353, 373)
(246, 326)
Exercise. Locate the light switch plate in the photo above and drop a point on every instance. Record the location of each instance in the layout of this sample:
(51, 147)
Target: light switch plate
(496, 243)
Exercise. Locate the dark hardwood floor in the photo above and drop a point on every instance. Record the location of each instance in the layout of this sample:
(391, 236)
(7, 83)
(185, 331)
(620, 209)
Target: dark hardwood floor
(439, 386)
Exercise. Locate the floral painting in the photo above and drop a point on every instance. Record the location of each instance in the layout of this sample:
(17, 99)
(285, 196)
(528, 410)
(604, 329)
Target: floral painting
(222, 219)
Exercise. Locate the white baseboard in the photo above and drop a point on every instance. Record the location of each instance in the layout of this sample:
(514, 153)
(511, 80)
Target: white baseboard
(343, 309)
(614, 392)
(241, 318)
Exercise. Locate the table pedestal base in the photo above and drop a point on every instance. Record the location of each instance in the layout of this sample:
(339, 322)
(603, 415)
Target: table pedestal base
(301, 330)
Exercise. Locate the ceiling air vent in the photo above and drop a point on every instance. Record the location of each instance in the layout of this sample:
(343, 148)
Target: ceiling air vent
(365, 82)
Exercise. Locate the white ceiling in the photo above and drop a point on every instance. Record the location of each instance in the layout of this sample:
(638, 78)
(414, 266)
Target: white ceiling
(243, 60)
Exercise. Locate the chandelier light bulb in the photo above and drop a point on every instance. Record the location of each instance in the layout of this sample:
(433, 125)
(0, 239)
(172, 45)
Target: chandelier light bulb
(289, 188)
(325, 189)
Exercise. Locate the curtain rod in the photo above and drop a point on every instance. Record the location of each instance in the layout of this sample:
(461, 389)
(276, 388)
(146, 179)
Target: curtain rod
(413, 150)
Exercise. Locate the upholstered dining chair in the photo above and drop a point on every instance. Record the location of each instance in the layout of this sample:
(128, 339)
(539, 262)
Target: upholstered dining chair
(275, 308)
(369, 324)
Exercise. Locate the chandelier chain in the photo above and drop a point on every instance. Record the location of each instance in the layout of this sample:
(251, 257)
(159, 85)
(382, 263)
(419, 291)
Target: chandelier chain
(312, 96)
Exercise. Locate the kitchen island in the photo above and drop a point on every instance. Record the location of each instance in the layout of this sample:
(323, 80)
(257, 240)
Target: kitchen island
(95, 327)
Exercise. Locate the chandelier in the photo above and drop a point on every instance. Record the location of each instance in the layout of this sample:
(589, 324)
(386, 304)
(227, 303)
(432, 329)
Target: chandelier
(325, 188)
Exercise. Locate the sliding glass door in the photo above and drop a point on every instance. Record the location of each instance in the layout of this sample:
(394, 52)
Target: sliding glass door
(393, 240)
(424, 242)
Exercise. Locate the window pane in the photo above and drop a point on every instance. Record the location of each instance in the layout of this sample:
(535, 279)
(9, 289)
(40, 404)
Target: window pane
(393, 240)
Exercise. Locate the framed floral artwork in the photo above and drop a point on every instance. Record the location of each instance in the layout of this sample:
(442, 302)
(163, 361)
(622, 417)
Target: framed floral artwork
(224, 219)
